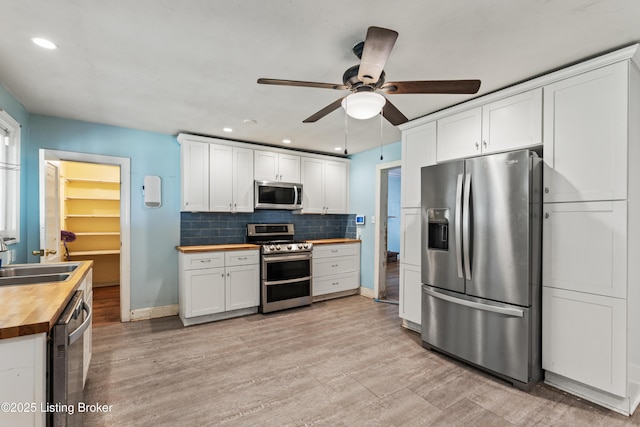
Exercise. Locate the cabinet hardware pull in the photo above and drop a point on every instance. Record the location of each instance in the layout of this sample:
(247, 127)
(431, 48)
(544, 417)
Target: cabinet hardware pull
(333, 251)
(546, 215)
(334, 265)
(335, 283)
(242, 258)
(484, 144)
(205, 260)
(477, 146)
(546, 190)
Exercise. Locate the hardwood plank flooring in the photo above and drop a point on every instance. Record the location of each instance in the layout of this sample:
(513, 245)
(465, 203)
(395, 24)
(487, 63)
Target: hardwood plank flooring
(106, 305)
(393, 281)
(343, 362)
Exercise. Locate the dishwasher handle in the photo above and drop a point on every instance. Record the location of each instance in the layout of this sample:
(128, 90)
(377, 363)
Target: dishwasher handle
(73, 336)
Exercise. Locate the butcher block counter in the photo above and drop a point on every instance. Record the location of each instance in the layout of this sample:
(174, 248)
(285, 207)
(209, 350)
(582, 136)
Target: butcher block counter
(33, 309)
(333, 241)
(216, 248)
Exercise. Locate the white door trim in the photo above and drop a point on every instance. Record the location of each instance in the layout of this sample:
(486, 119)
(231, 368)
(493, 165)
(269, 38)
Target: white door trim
(382, 172)
(125, 212)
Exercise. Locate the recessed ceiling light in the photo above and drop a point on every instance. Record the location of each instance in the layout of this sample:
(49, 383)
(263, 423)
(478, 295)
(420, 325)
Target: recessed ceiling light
(227, 129)
(47, 44)
(338, 148)
(286, 141)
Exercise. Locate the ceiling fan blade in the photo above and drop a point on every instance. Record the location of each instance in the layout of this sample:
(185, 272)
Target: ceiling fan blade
(326, 110)
(391, 113)
(301, 83)
(376, 51)
(432, 86)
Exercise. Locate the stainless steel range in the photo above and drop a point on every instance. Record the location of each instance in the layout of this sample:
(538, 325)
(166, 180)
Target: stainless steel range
(286, 276)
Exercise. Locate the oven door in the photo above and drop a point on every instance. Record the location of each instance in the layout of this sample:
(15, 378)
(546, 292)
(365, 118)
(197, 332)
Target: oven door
(286, 281)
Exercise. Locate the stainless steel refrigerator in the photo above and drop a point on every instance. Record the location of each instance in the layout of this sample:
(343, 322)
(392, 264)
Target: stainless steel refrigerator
(481, 235)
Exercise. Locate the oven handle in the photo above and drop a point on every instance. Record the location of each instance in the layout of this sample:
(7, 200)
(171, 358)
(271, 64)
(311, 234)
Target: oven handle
(73, 336)
(276, 258)
(284, 282)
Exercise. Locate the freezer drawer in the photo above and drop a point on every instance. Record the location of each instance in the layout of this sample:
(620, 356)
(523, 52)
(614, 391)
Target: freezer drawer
(492, 335)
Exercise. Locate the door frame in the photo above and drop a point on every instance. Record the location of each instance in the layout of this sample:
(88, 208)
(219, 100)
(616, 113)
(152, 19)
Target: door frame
(379, 257)
(125, 211)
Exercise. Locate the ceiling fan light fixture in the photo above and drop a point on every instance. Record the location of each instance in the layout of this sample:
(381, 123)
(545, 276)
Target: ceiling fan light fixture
(363, 105)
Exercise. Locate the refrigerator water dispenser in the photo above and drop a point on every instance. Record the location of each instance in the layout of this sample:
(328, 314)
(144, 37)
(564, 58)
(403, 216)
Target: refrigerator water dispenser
(438, 223)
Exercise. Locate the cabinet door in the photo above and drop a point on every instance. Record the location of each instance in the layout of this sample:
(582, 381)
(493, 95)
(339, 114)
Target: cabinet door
(220, 178)
(242, 180)
(289, 168)
(335, 187)
(585, 136)
(418, 150)
(194, 172)
(584, 338)
(266, 165)
(410, 293)
(585, 247)
(312, 171)
(410, 237)
(459, 135)
(242, 287)
(512, 123)
(204, 291)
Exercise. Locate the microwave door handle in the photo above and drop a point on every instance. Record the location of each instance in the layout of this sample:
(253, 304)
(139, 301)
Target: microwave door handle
(295, 195)
(456, 226)
(466, 226)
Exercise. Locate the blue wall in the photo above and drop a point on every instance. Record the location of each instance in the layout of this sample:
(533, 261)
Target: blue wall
(154, 232)
(393, 223)
(21, 115)
(362, 192)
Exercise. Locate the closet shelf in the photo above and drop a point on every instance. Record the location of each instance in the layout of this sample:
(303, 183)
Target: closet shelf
(92, 216)
(117, 199)
(101, 181)
(88, 253)
(97, 233)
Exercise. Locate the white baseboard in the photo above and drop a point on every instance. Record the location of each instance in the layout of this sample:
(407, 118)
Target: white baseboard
(153, 312)
(366, 292)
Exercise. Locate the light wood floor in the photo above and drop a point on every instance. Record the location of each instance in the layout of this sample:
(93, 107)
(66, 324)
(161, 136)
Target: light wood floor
(344, 362)
(106, 305)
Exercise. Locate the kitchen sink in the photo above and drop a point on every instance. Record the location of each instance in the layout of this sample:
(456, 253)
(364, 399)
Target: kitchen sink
(30, 280)
(20, 270)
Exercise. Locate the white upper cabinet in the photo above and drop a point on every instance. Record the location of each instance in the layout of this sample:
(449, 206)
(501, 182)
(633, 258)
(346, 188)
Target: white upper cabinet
(585, 136)
(230, 179)
(418, 150)
(459, 135)
(272, 166)
(512, 123)
(194, 171)
(504, 125)
(325, 186)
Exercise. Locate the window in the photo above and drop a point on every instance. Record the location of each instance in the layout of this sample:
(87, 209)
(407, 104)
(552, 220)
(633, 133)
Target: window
(9, 178)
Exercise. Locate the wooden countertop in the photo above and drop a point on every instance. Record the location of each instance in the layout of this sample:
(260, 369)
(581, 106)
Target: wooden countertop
(333, 241)
(215, 248)
(33, 309)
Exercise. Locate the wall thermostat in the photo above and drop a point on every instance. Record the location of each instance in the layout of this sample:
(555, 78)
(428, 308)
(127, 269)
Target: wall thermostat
(152, 191)
(359, 219)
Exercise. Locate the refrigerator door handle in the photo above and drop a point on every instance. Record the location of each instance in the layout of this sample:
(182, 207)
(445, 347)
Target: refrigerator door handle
(456, 226)
(507, 311)
(466, 226)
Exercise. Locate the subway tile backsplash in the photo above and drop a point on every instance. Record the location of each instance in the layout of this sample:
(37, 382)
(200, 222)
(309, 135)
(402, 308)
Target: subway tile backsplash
(210, 228)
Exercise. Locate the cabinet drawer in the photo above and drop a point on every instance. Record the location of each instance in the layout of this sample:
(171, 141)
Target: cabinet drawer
(203, 260)
(331, 266)
(328, 285)
(326, 251)
(242, 257)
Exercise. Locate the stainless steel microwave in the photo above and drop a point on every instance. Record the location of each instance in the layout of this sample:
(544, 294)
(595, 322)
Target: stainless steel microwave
(278, 195)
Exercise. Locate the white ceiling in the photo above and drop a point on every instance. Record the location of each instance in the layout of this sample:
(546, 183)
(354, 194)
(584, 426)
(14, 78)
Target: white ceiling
(191, 66)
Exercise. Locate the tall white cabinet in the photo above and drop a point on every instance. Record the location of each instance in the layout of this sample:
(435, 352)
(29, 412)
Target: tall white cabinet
(591, 239)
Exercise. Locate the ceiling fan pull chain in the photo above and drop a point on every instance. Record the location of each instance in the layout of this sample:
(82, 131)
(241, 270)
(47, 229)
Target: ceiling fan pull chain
(381, 117)
(346, 122)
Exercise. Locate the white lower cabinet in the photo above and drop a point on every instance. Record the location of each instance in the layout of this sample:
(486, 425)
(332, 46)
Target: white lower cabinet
(411, 295)
(218, 285)
(336, 269)
(584, 338)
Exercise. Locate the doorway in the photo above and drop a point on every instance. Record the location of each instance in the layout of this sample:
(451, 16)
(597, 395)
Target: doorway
(97, 207)
(387, 232)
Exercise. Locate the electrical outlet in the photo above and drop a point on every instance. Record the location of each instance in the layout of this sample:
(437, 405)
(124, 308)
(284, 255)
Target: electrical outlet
(373, 219)
(359, 234)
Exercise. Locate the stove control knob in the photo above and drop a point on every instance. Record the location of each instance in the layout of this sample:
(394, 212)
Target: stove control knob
(299, 245)
(272, 248)
(306, 246)
(277, 247)
(289, 247)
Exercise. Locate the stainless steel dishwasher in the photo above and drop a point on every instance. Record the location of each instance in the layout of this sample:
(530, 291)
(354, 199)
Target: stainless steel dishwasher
(65, 363)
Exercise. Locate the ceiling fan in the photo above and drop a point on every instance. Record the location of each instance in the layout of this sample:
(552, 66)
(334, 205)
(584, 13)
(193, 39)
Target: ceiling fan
(368, 77)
